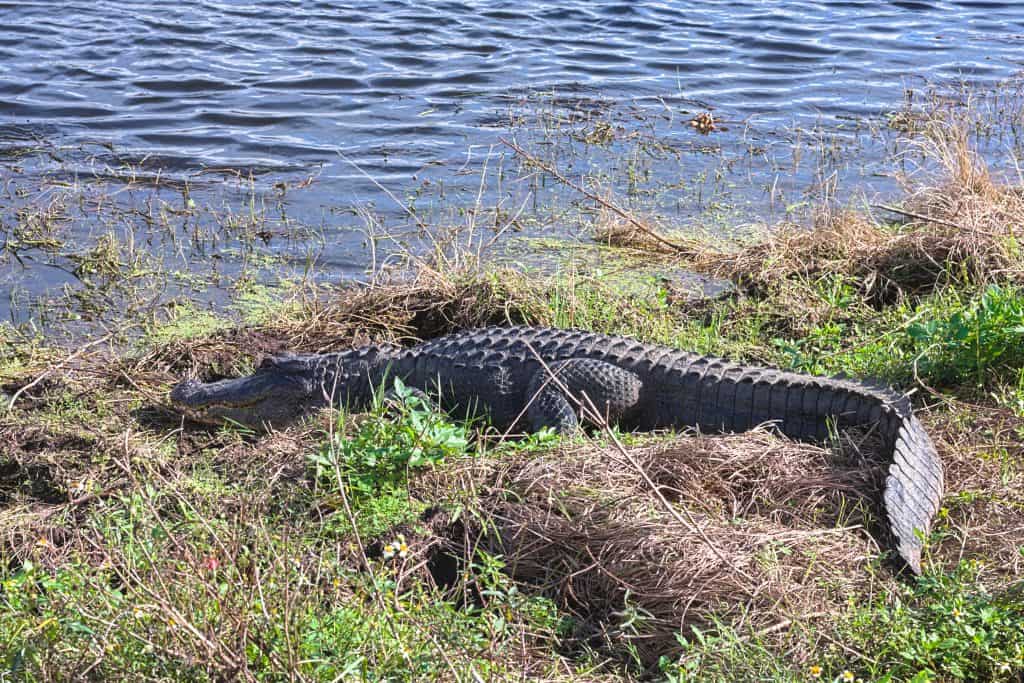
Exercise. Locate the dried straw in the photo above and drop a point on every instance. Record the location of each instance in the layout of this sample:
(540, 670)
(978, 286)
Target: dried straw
(583, 527)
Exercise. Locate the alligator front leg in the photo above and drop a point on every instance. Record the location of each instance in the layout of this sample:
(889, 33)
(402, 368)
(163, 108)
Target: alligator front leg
(555, 393)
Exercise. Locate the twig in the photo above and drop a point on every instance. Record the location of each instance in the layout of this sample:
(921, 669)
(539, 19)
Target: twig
(46, 373)
(389, 193)
(671, 509)
(690, 251)
(87, 498)
(918, 216)
(786, 623)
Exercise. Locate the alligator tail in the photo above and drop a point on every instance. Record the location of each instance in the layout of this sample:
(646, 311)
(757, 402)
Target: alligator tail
(731, 397)
(913, 488)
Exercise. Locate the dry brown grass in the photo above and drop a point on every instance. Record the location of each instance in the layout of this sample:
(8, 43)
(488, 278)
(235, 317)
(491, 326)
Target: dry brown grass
(983, 520)
(985, 213)
(788, 532)
(614, 231)
(786, 524)
(883, 264)
(961, 223)
(427, 304)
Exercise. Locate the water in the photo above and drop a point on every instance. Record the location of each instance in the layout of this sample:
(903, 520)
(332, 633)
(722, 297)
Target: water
(278, 114)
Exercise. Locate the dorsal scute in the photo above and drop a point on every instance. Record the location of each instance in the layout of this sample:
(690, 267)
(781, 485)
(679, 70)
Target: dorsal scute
(290, 362)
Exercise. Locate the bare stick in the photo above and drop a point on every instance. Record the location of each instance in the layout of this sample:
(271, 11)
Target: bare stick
(622, 213)
(81, 500)
(389, 193)
(46, 373)
(671, 509)
(918, 216)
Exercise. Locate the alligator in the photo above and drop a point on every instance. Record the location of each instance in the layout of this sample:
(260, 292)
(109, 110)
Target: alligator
(528, 378)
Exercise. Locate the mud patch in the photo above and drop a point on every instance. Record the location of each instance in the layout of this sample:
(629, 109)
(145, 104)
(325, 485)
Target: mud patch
(32, 481)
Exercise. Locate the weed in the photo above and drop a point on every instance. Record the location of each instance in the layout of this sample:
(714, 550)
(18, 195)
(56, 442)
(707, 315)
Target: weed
(385, 448)
(947, 625)
(139, 547)
(977, 338)
(946, 339)
(186, 322)
(722, 654)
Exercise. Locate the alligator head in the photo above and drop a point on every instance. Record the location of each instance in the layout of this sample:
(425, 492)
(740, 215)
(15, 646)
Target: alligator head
(280, 391)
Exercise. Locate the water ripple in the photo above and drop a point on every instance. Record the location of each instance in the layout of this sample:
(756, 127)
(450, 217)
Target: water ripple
(408, 84)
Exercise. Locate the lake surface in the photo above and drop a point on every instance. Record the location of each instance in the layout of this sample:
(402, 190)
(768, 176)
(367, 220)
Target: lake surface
(302, 111)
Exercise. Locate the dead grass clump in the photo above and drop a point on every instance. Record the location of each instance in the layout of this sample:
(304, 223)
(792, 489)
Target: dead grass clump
(883, 264)
(50, 473)
(583, 527)
(962, 226)
(981, 215)
(70, 444)
(427, 305)
(615, 231)
(983, 516)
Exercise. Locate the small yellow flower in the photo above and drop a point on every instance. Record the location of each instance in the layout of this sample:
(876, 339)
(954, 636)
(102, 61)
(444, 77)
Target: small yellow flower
(138, 612)
(956, 613)
(402, 548)
(848, 676)
(815, 671)
(389, 551)
(170, 622)
(42, 542)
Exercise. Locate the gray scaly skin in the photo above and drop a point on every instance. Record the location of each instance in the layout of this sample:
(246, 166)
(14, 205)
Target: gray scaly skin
(499, 372)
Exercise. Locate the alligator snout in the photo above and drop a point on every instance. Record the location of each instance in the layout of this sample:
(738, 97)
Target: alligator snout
(182, 391)
(269, 397)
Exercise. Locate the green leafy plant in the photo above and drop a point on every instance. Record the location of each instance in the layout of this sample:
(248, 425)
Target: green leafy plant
(504, 605)
(947, 626)
(403, 433)
(973, 339)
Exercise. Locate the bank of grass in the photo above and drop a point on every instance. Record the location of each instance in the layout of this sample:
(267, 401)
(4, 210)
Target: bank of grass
(399, 545)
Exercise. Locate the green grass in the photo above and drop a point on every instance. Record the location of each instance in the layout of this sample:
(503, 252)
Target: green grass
(943, 626)
(185, 322)
(217, 557)
(952, 338)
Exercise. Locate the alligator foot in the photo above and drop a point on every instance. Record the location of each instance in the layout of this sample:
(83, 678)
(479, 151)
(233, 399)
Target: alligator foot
(558, 393)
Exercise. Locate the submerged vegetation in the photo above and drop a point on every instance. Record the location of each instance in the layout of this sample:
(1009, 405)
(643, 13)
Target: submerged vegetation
(400, 545)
